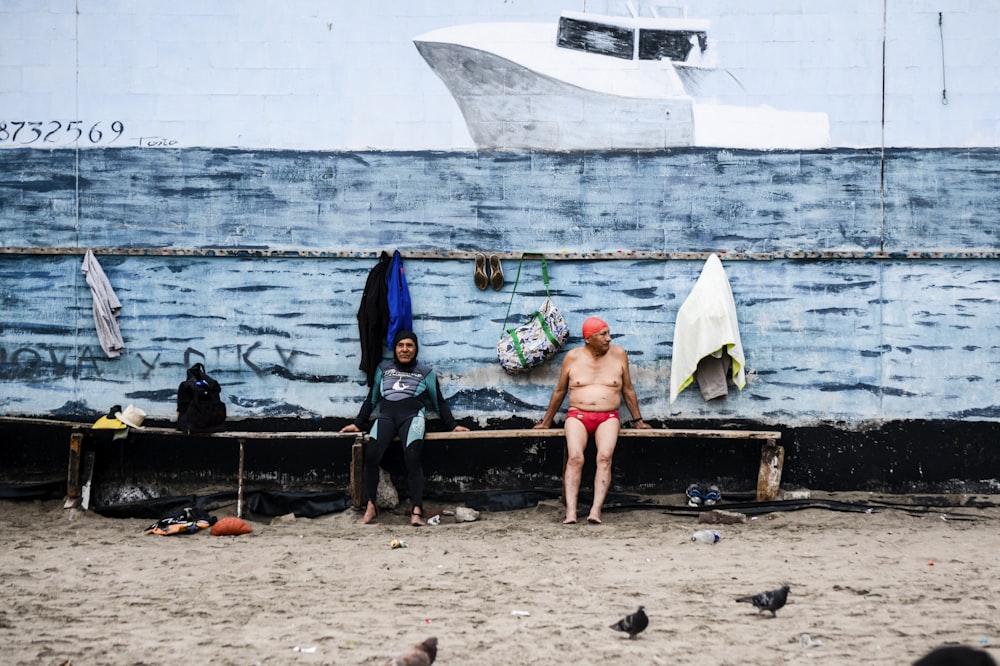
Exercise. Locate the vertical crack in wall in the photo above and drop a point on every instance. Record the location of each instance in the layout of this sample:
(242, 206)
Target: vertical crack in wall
(881, 187)
(80, 279)
(76, 112)
(881, 230)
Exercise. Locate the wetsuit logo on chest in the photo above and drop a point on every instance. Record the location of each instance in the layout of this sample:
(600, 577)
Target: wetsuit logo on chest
(399, 385)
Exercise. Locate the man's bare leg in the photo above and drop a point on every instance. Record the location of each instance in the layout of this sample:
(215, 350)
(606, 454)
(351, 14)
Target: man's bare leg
(576, 442)
(606, 438)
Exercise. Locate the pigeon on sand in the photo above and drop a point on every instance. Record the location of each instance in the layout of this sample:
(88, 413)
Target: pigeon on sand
(421, 654)
(632, 624)
(771, 600)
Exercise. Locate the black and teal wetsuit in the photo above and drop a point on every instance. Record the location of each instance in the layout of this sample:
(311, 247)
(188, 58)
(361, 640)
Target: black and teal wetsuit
(400, 396)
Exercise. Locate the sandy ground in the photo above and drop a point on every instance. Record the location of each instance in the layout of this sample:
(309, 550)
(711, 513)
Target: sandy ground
(514, 587)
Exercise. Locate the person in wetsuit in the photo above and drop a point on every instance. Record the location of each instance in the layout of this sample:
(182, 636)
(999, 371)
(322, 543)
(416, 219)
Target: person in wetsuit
(402, 391)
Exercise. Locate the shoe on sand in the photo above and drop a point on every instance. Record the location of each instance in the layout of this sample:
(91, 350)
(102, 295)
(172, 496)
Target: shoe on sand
(694, 495)
(712, 495)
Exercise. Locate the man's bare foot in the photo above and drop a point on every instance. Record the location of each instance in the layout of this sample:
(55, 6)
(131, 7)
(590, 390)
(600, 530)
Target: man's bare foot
(570, 520)
(371, 513)
(594, 521)
(416, 517)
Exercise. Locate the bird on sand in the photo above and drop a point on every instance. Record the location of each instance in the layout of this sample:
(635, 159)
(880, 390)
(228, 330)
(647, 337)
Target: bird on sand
(421, 654)
(771, 600)
(632, 624)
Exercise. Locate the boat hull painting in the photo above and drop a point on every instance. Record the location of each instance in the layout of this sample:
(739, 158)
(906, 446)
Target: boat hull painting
(508, 107)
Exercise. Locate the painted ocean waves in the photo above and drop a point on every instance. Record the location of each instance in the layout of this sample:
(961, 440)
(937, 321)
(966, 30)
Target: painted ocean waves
(839, 337)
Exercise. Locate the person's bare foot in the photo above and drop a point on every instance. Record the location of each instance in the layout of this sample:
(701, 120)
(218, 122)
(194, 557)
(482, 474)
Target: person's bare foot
(594, 521)
(416, 517)
(371, 513)
(570, 520)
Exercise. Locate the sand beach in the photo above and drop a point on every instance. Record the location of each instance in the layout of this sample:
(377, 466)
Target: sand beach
(514, 587)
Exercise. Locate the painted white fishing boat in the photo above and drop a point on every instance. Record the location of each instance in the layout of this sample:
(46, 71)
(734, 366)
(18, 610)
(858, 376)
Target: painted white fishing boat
(599, 82)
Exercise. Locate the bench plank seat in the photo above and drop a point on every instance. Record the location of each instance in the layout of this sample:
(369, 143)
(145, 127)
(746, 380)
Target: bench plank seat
(624, 432)
(768, 478)
(772, 455)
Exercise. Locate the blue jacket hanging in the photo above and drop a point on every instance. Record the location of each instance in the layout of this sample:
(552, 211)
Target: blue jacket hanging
(398, 297)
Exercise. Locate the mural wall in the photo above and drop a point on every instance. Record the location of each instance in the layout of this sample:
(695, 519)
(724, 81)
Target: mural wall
(237, 168)
(348, 76)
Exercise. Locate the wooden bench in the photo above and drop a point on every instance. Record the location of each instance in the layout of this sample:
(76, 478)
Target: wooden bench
(772, 454)
(75, 483)
(768, 477)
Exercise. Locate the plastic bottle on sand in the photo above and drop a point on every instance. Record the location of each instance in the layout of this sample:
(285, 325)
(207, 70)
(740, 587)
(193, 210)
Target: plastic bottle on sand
(706, 536)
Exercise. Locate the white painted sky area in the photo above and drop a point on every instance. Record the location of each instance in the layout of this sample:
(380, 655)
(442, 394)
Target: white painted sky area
(338, 75)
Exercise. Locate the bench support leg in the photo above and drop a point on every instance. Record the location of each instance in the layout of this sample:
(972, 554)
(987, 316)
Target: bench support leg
(239, 484)
(88, 479)
(772, 459)
(72, 499)
(358, 472)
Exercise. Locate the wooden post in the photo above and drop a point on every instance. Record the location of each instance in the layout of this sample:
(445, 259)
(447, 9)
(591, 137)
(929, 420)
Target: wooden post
(772, 459)
(239, 484)
(73, 473)
(358, 472)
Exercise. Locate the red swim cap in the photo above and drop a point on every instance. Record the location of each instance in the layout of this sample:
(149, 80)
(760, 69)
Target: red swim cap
(593, 325)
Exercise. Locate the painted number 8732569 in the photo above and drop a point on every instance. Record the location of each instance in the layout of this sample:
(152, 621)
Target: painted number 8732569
(59, 132)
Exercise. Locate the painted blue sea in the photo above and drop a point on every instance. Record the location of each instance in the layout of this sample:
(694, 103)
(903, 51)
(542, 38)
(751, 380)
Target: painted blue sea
(866, 284)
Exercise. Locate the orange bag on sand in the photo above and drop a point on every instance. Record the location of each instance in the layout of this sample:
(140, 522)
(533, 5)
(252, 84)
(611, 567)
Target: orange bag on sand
(231, 526)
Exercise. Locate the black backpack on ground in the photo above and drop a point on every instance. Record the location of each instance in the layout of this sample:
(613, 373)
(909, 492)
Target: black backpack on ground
(199, 403)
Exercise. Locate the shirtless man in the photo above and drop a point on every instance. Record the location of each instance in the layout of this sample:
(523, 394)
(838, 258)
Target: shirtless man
(596, 376)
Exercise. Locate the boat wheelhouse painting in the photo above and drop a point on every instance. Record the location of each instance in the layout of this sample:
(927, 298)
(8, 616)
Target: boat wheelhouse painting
(601, 82)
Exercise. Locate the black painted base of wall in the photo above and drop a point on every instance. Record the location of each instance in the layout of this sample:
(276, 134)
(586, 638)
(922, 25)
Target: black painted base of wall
(896, 457)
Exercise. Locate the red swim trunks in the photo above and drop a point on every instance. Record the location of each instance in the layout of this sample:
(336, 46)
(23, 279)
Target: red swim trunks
(590, 420)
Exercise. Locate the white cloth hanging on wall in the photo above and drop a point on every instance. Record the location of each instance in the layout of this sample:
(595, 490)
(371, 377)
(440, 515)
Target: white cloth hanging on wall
(706, 322)
(106, 307)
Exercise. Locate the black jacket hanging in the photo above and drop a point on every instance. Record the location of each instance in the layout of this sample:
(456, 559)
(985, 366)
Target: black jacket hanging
(373, 317)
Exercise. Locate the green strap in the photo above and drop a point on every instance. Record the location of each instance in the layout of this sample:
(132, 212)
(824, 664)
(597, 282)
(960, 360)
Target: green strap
(545, 327)
(545, 277)
(517, 278)
(517, 348)
(517, 343)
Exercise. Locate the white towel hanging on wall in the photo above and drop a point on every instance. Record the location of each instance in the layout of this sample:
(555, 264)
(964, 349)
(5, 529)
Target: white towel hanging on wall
(706, 322)
(106, 307)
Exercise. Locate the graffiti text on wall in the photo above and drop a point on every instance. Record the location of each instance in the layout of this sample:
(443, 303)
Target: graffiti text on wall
(45, 363)
(60, 132)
